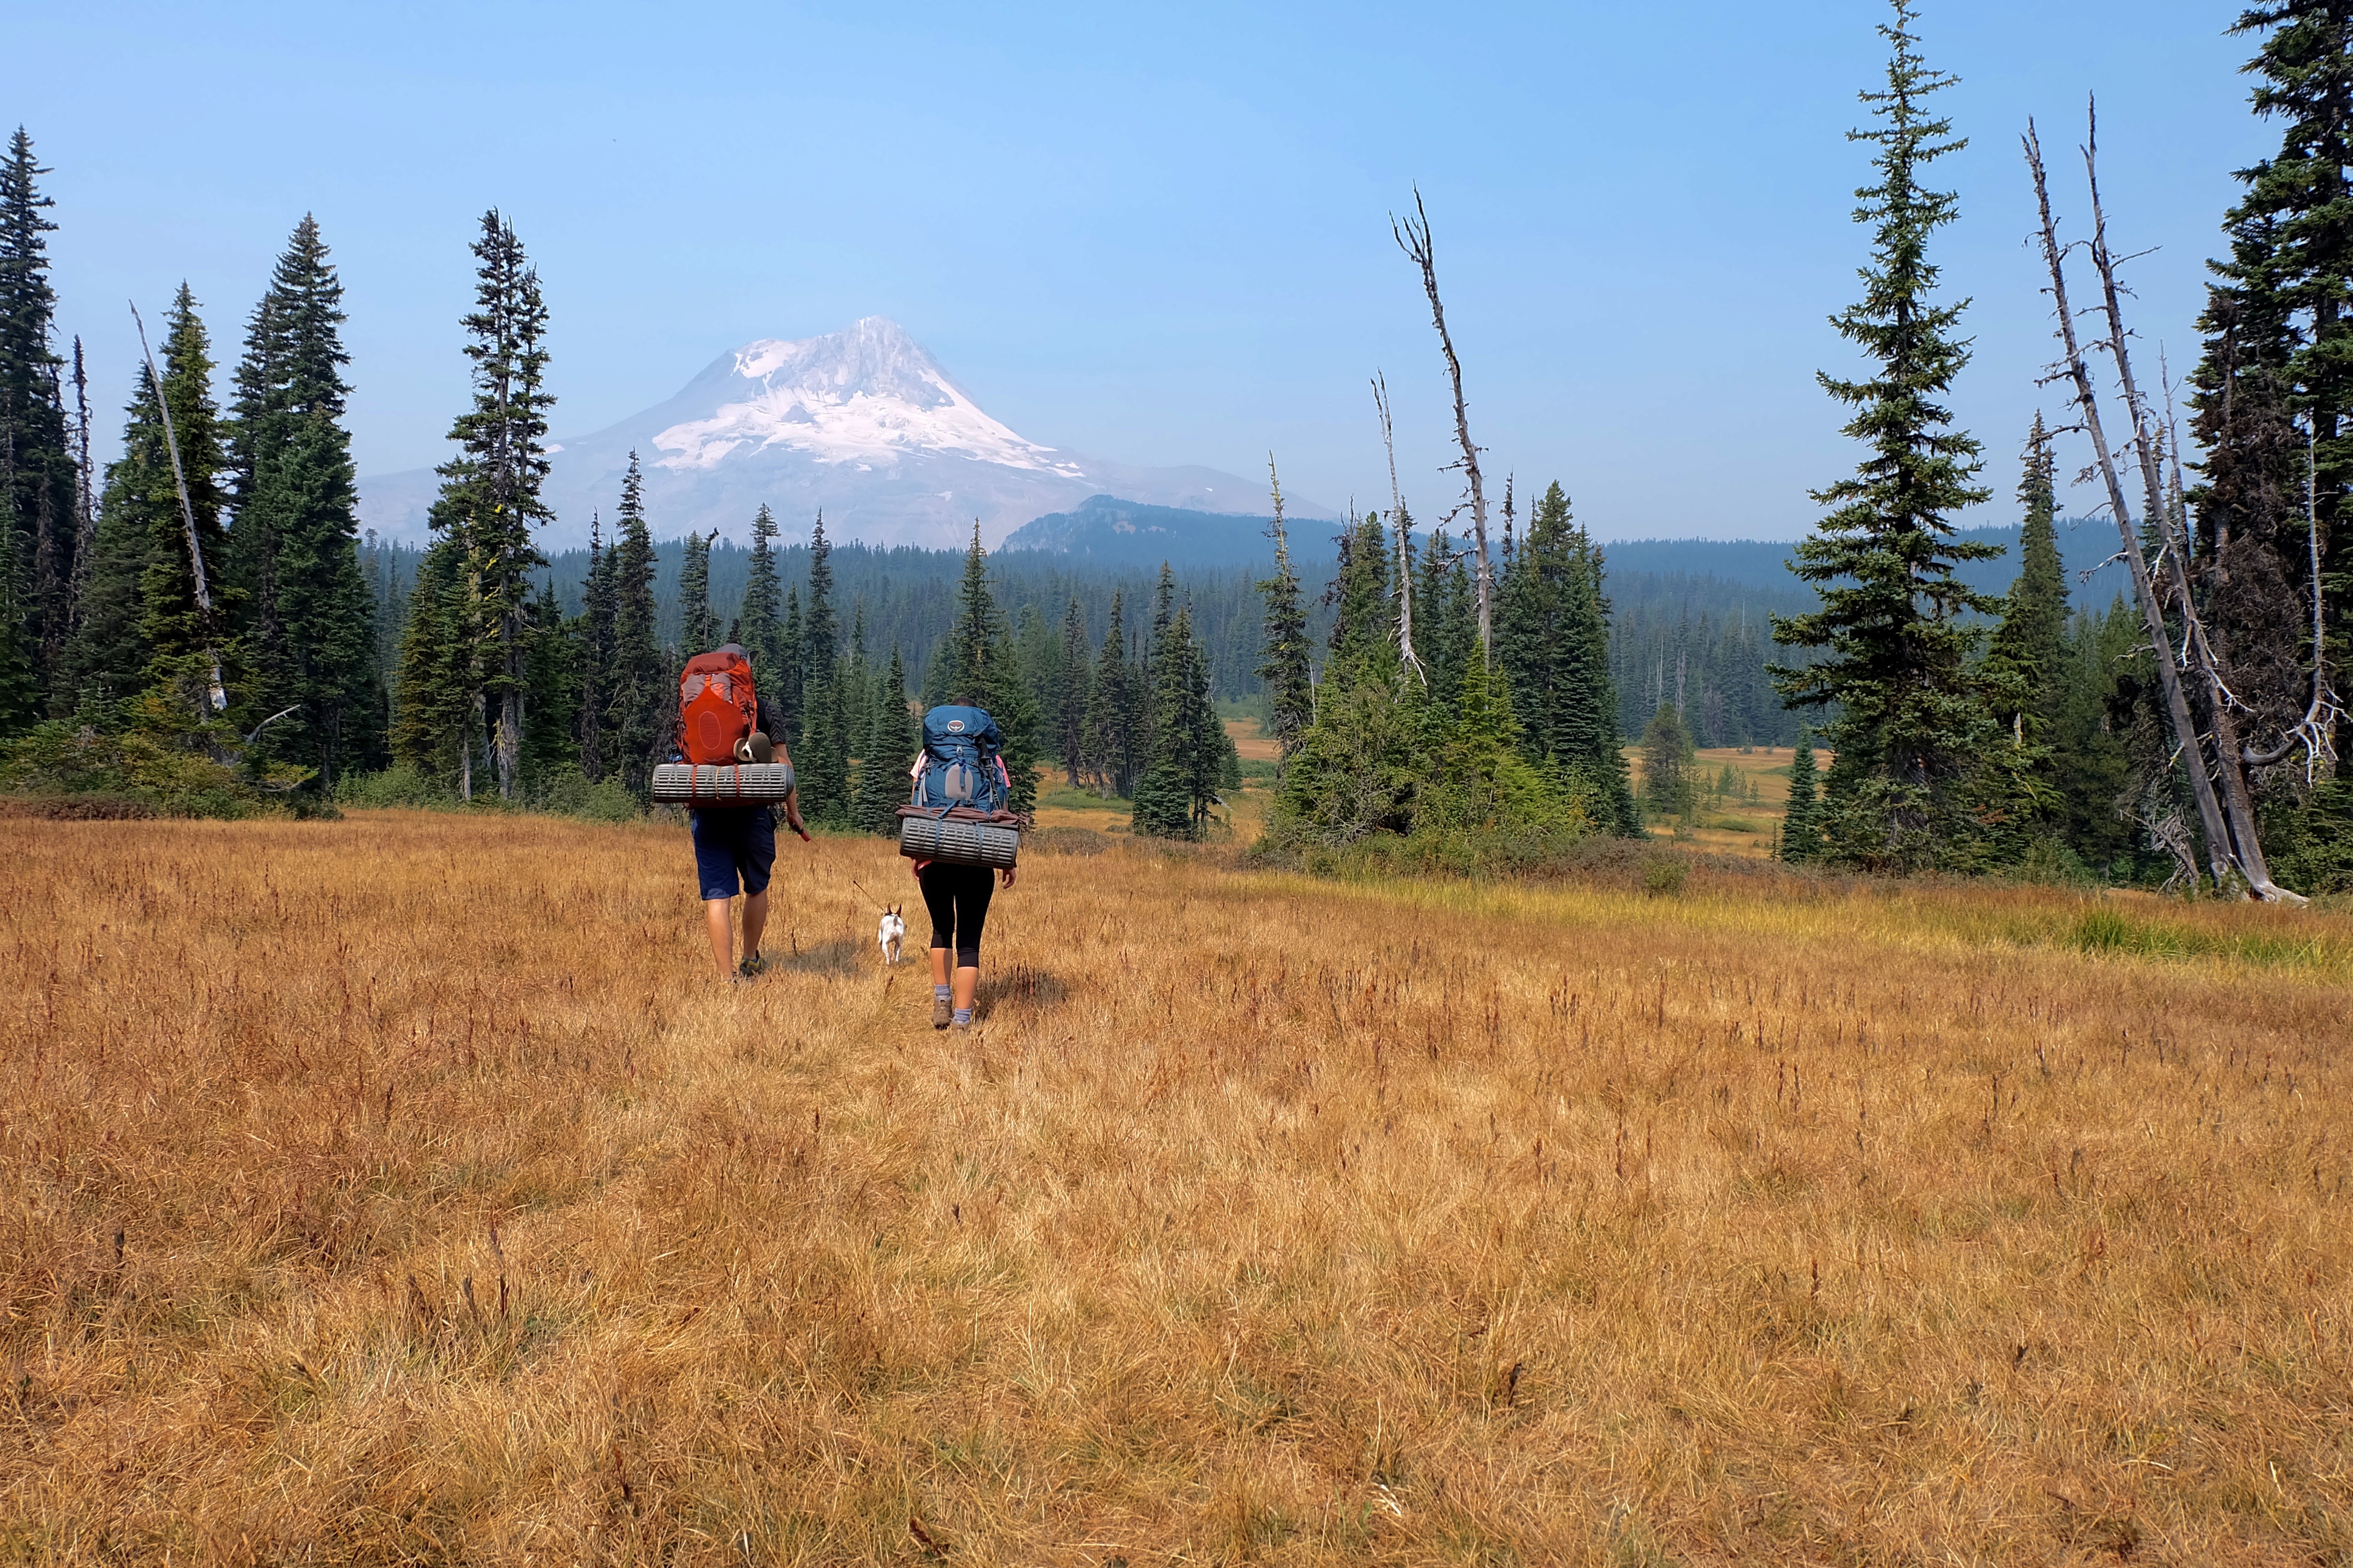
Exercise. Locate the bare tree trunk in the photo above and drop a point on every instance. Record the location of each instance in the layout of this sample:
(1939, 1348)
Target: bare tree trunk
(2176, 706)
(1412, 235)
(2246, 841)
(1404, 536)
(216, 693)
(85, 514)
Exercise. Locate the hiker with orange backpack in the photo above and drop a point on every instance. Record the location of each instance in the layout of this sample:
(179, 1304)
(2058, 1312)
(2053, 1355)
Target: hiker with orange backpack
(723, 722)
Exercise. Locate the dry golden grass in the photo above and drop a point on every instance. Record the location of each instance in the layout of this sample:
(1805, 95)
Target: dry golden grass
(403, 1190)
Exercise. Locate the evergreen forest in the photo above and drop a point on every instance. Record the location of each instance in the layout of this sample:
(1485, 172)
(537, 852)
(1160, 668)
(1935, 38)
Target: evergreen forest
(199, 626)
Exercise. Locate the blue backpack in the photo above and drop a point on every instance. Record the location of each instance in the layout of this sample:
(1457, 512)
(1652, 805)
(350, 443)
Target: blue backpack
(960, 768)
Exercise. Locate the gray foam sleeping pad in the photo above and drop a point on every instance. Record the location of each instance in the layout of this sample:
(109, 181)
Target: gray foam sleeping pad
(731, 783)
(953, 843)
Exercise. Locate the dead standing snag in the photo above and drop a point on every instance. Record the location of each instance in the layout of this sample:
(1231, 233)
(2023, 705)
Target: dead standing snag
(1412, 235)
(2225, 852)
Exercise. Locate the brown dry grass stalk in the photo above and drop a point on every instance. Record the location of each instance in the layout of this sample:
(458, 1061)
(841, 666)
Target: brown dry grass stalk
(1263, 1219)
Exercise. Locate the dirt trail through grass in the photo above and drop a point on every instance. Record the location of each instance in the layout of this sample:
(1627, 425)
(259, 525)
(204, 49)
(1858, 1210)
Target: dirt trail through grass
(403, 1190)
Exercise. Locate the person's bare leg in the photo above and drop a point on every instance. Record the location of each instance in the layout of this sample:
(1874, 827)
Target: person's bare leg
(968, 981)
(939, 967)
(723, 935)
(756, 920)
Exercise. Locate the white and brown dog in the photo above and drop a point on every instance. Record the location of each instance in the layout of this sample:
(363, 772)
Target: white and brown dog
(891, 935)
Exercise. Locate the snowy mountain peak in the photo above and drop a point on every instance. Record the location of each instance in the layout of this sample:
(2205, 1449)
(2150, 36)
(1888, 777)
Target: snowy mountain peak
(861, 423)
(869, 396)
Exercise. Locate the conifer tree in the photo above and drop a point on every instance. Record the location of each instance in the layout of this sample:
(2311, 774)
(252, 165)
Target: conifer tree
(698, 629)
(594, 648)
(1072, 690)
(1165, 794)
(2025, 664)
(38, 474)
(1477, 784)
(790, 682)
(760, 621)
(294, 547)
(433, 731)
(1445, 627)
(1801, 834)
(182, 639)
(1110, 740)
(2274, 389)
(1551, 640)
(1907, 718)
(893, 739)
(20, 697)
(1360, 599)
(1667, 788)
(107, 661)
(1283, 654)
(489, 501)
(824, 754)
(552, 668)
(984, 671)
(639, 707)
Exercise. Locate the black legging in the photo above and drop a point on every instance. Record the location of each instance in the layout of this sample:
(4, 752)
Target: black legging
(958, 897)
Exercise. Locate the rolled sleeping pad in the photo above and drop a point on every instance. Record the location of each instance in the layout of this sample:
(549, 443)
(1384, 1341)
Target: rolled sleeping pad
(724, 784)
(953, 843)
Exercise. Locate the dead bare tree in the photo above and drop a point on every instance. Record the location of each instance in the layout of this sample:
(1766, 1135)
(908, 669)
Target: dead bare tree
(2197, 652)
(85, 512)
(1406, 655)
(1412, 235)
(2226, 851)
(216, 693)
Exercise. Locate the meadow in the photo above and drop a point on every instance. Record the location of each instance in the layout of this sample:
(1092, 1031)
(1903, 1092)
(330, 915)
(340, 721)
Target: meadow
(404, 1189)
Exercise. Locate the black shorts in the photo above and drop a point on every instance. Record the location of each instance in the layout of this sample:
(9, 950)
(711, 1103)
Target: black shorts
(732, 843)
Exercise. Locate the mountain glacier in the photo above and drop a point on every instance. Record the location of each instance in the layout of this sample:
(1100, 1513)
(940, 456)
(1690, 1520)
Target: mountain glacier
(863, 423)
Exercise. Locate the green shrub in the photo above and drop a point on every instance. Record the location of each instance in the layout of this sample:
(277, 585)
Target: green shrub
(567, 791)
(62, 758)
(398, 786)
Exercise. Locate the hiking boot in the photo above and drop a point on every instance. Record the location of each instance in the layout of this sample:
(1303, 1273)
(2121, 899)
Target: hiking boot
(963, 1028)
(942, 1012)
(752, 968)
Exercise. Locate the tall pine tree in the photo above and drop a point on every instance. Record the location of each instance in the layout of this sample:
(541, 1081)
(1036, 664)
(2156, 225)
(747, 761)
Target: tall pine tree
(593, 646)
(183, 638)
(759, 622)
(1111, 743)
(38, 476)
(640, 704)
(1896, 672)
(1283, 651)
(824, 754)
(1552, 639)
(489, 501)
(698, 628)
(294, 546)
(1072, 687)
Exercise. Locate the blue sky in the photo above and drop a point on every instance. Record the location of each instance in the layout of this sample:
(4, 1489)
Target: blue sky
(1153, 233)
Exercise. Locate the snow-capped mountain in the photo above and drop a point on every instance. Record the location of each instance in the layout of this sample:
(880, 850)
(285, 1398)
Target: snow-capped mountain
(863, 423)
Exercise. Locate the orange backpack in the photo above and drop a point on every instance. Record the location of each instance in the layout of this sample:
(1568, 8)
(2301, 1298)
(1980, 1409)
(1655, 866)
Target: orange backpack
(716, 705)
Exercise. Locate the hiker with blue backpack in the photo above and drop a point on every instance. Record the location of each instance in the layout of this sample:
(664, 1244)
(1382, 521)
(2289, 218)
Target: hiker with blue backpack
(961, 783)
